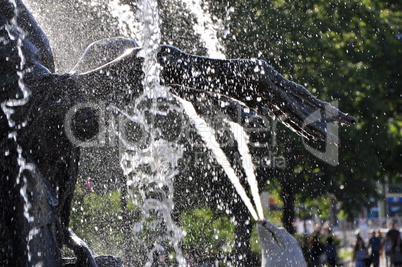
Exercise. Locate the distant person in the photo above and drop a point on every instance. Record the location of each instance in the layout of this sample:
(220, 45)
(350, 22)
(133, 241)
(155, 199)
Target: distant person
(375, 245)
(396, 253)
(316, 250)
(360, 253)
(392, 237)
(393, 233)
(386, 245)
(387, 248)
(330, 252)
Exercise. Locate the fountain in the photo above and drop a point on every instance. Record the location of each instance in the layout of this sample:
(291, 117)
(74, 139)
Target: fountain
(141, 88)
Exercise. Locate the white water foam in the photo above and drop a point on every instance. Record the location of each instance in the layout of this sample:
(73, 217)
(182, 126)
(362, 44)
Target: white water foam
(125, 17)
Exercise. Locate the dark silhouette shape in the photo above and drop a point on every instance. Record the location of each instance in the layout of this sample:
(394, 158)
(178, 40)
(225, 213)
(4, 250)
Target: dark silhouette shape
(394, 236)
(316, 250)
(39, 164)
(330, 251)
(376, 247)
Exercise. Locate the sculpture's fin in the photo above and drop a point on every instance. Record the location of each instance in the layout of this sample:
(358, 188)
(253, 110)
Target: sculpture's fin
(102, 52)
(23, 44)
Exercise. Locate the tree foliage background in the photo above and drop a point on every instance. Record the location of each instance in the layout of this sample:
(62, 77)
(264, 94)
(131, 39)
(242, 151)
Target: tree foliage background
(339, 50)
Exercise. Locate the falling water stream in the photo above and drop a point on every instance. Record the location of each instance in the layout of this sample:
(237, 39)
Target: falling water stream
(150, 167)
(162, 155)
(151, 170)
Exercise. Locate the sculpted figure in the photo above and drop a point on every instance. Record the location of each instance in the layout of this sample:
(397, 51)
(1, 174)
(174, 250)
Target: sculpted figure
(39, 165)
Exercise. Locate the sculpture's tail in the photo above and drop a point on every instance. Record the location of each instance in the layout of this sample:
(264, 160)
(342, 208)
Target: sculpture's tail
(23, 44)
(298, 109)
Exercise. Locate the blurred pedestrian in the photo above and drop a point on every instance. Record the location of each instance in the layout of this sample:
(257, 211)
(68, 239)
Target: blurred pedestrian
(375, 245)
(386, 245)
(392, 238)
(330, 251)
(360, 253)
(315, 251)
(396, 253)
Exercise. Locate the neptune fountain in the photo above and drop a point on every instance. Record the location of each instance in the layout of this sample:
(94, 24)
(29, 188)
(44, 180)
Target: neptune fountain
(47, 117)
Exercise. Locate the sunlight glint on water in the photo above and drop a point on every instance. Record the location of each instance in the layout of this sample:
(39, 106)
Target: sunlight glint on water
(207, 134)
(247, 163)
(206, 28)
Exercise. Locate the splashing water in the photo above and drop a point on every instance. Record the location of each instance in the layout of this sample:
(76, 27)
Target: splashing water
(127, 22)
(206, 28)
(150, 39)
(207, 134)
(158, 156)
(151, 170)
(9, 106)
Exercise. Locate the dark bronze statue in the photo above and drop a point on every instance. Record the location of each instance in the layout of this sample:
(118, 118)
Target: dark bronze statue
(39, 164)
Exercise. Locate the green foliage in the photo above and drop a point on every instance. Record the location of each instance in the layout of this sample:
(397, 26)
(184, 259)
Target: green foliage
(98, 219)
(255, 242)
(274, 216)
(345, 254)
(321, 206)
(209, 234)
(338, 50)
